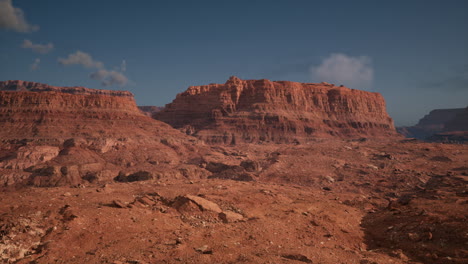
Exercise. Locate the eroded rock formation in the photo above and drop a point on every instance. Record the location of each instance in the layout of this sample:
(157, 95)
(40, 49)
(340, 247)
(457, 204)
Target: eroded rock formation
(66, 135)
(279, 111)
(430, 124)
(440, 125)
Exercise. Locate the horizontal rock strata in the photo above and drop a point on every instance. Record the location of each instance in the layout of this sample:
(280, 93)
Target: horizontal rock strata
(276, 111)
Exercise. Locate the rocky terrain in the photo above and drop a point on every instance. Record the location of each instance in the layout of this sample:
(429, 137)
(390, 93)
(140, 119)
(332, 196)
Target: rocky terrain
(281, 112)
(327, 202)
(440, 125)
(60, 136)
(86, 177)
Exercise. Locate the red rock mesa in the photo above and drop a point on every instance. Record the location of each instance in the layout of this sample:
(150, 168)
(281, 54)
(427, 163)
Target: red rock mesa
(276, 111)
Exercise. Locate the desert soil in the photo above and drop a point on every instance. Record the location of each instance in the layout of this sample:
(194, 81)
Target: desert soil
(329, 201)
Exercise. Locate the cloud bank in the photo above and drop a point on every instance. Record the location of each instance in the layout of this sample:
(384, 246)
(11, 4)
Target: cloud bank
(106, 77)
(109, 78)
(354, 72)
(81, 58)
(35, 64)
(39, 48)
(12, 18)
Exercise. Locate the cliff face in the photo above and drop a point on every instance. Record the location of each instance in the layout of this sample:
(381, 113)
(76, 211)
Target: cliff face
(438, 117)
(459, 122)
(53, 136)
(281, 111)
(43, 111)
(438, 121)
(455, 130)
(24, 86)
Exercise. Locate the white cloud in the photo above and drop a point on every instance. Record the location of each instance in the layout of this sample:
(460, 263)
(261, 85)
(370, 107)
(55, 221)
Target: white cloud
(354, 72)
(39, 48)
(81, 58)
(109, 78)
(106, 77)
(12, 18)
(35, 64)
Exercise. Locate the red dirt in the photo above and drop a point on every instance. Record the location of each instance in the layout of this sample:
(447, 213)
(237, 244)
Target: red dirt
(326, 202)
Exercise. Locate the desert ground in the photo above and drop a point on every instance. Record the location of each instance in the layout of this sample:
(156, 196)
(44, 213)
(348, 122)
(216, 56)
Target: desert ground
(328, 201)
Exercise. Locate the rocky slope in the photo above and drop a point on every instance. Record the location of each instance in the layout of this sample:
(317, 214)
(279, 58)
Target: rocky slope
(61, 135)
(441, 125)
(280, 111)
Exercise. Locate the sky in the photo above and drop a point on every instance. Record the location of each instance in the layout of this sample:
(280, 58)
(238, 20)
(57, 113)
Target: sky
(413, 52)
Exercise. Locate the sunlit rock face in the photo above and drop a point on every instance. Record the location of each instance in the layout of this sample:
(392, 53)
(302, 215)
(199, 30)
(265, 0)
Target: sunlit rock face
(277, 111)
(52, 136)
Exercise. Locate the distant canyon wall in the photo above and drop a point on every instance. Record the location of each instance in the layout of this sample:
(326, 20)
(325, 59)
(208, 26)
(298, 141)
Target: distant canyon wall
(441, 125)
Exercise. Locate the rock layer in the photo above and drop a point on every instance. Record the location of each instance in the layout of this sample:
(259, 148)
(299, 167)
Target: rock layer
(25, 86)
(66, 135)
(279, 111)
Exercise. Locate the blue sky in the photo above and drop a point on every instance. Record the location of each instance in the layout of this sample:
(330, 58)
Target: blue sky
(413, 52)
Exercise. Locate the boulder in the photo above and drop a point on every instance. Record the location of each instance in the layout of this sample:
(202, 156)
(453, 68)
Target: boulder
(133, 177)
(181, 202)
(230, 217)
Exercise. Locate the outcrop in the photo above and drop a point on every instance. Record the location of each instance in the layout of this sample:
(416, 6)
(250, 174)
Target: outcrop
(440, 125)
(25, 86)
(276, 111)
(54, 136)
(33, 110)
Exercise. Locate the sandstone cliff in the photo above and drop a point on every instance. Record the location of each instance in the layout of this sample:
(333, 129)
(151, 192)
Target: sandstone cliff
(280, 111)
(66, 135)
(438, 121)
(24, 86)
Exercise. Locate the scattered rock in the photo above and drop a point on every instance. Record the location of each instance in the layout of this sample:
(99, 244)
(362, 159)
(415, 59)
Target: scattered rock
(204, 250)
(405, 199)
(67, 213)
(133, 177)
(298, 257)
(441, 159)
(329, 179)
(202, 203)
(230, 217)
(414, 237)
(119, 204)
(250, 165)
